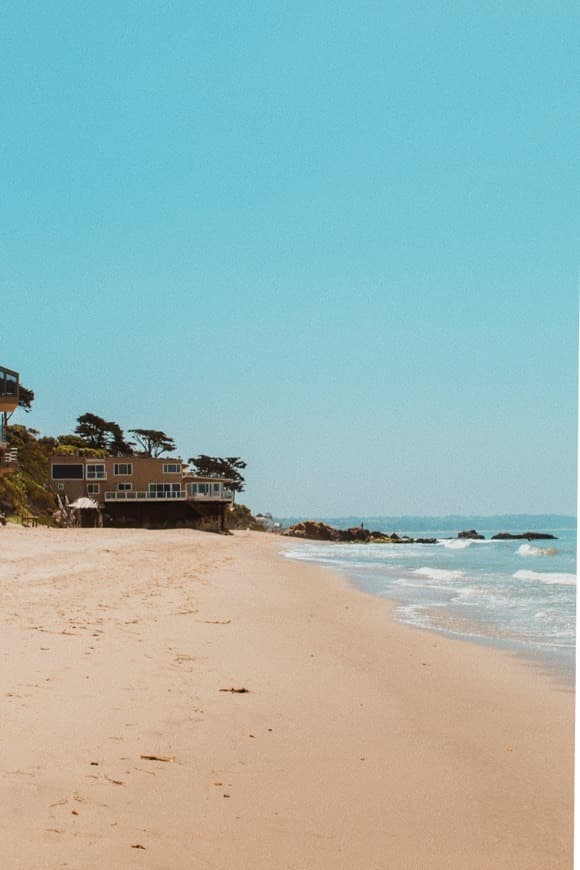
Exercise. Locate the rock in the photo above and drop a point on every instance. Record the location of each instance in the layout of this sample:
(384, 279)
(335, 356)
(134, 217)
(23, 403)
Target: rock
(312, 531)
(539, 536)
(528, 536)
(471, 535)
(506, 536)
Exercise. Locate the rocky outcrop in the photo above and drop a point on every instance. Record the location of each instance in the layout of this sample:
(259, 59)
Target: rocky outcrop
(471, 535)
(311, 530)
(539, 536)
(527, 536)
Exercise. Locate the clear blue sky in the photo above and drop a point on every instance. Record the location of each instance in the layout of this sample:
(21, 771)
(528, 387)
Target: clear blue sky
(336, 239)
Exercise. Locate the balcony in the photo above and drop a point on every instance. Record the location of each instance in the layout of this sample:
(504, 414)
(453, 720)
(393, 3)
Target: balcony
(223, 495)
(8, 390)
(130, 495)
(145, 496)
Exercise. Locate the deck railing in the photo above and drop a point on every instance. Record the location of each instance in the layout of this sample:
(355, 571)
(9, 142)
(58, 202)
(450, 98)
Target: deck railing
(130, 495)
(136, 495)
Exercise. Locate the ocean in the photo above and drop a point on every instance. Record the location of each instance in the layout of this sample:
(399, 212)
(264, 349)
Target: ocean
(518, 595)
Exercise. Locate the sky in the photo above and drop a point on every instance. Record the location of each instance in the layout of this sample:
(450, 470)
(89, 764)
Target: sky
(339, 240)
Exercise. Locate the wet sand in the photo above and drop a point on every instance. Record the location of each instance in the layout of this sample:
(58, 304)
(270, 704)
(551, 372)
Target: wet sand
(359, 743)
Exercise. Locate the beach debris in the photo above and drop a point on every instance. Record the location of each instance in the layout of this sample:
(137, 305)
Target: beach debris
(74, 812)
(241, 691)
(138, 846)
(215, 621)
(167, 758)
(227, 795)
(114, 781)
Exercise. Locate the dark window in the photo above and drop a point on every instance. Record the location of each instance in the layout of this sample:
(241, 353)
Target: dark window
(67, 472)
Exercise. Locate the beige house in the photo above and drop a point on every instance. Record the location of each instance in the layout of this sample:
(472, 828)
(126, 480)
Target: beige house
(142, 491)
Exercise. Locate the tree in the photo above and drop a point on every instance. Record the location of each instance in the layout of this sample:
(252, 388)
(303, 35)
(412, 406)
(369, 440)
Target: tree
(25, 400)
(117, 445)
(25, 397)
(215, 466)
(103, 434)
(153, 442)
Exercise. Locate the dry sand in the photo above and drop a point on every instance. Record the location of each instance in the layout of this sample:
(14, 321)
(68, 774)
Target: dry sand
(361, 744)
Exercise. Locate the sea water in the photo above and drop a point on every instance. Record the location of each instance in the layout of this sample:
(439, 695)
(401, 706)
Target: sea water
(515, 594)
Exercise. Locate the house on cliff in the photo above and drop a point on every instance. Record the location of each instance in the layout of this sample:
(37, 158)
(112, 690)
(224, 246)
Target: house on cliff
(143, 491)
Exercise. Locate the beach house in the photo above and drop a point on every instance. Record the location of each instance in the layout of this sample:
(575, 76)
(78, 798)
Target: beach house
(143, 491)
(9, 395)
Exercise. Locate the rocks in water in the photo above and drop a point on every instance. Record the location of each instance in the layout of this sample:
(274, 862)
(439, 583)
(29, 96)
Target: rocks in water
(539, 536)
(528, 536)
(312, 530)
(506, 536)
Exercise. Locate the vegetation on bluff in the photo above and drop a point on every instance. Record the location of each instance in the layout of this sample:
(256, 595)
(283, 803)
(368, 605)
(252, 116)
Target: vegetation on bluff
(26, 489)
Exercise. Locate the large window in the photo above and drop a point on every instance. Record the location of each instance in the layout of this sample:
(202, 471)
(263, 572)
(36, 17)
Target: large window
(199, 488)
(123, 468)
(164, 490)
(67, 472)
(171, 467)
(96, 471)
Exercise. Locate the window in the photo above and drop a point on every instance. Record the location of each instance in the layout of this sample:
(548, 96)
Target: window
(60, 486)
(171, 467)
(215, 487)
(96, 471)
(67, 472)
(124, 487)
(123, 468)
(200, 488)
(93, 488)
(164, 490)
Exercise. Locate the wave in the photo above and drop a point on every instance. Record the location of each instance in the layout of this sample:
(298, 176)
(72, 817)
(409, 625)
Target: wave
(439, 574)
(549, 579)
(457, 544)
(529, 550)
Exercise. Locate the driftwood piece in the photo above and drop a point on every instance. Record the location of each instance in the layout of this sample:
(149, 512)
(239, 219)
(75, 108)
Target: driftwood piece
(168, 758)
(236, 691)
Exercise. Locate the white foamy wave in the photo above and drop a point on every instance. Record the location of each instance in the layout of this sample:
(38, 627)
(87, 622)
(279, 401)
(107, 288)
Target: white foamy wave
(529, 550)
(549, 579)
(457, 544)
(439, 574)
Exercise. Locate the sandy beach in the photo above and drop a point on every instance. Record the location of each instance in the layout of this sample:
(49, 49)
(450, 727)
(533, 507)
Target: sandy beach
(359, 743)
